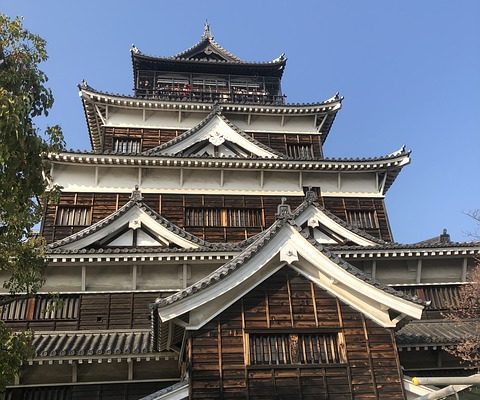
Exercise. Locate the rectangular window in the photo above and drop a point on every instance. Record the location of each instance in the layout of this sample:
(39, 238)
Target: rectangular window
(73, 216)
(126, 145)
(366, 219)
(295, 348)
(41, 308)
(224, 217)
(304, 151)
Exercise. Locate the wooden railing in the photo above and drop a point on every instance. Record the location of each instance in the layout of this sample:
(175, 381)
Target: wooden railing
(211, 96)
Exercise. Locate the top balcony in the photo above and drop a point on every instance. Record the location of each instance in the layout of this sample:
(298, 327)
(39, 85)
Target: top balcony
(187, 93)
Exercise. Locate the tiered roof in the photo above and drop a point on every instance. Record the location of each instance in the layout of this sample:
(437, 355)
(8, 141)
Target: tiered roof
(204, 55)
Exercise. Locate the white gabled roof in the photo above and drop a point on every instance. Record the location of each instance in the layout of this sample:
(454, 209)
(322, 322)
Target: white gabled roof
(329, 229)
(284, 245)
(134, 224)
(215, 131)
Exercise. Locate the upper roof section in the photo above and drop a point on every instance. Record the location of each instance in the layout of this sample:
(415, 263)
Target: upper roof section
(207, 70)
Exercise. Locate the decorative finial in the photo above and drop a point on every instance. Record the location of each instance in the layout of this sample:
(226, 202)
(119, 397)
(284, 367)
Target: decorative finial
(217, 108)
(311, 196)
(84, 84)
(206, 31)
(136, 194)
(445, 237)
(283, 210)
(134, 49)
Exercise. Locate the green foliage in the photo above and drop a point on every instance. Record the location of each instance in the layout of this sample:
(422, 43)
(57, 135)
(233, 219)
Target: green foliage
(23, 180)
(14, 349)
(23, 96)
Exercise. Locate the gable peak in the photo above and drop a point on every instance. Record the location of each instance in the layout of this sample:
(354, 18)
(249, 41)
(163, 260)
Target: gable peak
(207, 34)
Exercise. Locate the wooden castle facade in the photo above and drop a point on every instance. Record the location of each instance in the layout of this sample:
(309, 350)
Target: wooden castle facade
(205, 248)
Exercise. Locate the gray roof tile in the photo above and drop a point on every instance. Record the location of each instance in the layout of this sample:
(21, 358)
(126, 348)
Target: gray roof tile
(436, 332)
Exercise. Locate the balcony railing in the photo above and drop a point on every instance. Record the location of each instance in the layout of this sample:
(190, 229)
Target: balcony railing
(211, 96)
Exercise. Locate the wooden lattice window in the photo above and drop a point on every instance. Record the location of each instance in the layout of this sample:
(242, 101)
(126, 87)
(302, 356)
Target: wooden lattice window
(73, 216)
(41, 308)
(303, 151)
(224, 217)
(366, 219)
(295, 348)
(126, 145)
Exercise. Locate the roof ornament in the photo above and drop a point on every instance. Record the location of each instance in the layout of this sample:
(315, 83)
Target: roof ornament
(84, 84)
(136, 194)
(445, 237)
(284, 210)
(311, 196)
(281, 57)
(134, 49)
(207, 34)
(217, 108)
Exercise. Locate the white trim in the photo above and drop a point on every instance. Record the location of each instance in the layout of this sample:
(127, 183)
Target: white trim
(218, 129)
(313, 214)
(313, 264)
(134, 214)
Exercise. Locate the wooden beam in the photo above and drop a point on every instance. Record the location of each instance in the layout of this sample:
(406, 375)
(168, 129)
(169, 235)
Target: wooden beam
(464, 269)
(319, 129)
(134, 277)
(96, 176)
(84, 278)
(418, 278)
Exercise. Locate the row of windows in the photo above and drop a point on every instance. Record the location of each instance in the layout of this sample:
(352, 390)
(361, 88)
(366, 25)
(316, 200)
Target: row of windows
(223, 217)
(41, 308)
(134, 145)
(366, 219)
(214, 217)
(73, 216)
(295, 348)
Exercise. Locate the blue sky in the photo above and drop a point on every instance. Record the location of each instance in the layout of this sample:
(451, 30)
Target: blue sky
(409, 71)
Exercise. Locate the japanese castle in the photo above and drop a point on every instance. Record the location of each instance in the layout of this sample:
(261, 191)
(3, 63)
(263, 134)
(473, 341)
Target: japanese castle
(205, 247)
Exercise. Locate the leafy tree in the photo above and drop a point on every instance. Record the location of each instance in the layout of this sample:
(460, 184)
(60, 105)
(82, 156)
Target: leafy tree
(23, 181)
(467, 308)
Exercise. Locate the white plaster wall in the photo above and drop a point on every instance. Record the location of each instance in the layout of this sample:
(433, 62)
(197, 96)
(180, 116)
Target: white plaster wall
(442, 270)
(62, 278)
(250, 180)
(160, 178)
(158, 276)
(71, 176)
(109, 277)
(328, 182)
(396, 271)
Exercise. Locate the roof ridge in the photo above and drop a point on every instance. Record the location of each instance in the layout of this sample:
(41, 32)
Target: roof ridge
(216, 112)
(284, 217)
(135, 200)
(313, 201)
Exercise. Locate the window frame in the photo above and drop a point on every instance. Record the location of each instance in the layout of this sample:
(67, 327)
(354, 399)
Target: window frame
(339, 352)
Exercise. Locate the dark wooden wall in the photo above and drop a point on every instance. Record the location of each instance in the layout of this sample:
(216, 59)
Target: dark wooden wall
(93, 311)
(217, 352)
(172, 207)
(150, 138)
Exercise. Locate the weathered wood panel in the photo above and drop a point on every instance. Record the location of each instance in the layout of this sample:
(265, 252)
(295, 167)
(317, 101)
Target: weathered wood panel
(149, 138)
(172, 207)
(92, 311)
(218, 354)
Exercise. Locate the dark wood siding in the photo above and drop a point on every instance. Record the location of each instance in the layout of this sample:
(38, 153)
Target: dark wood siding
(95, 311)
(149, 138)
(218, 353)
(282, 141)
(172, 207)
